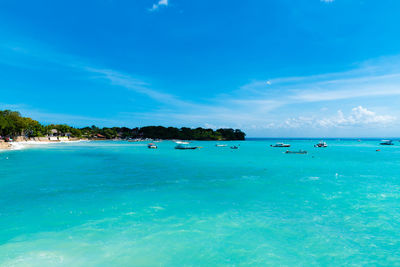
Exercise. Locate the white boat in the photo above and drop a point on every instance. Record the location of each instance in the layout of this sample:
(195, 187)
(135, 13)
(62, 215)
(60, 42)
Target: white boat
(387, 142)
(151, 145)
(182, 142)
(218, 145)
(280, 145)
(183, 147)
(321, 144)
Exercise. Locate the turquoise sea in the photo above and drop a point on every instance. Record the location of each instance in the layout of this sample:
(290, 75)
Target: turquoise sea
(121, 204)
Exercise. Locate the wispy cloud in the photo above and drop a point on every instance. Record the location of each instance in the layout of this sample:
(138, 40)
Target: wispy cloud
(159, 4)
(131, 83)
(49, 60)
(265, 104)
(380, 78)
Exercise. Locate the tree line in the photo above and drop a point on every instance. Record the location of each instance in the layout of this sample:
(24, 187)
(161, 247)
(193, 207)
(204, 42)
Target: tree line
(12, 124)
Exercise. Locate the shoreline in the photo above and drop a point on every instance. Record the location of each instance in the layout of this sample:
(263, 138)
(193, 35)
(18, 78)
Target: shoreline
(17, 145)
(5, 145)
(27, 143)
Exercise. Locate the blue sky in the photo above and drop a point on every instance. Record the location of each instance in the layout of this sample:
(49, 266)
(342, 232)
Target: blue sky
(273, 68)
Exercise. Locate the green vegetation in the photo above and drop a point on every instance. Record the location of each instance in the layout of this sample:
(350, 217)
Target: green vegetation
(12, 124)
(189, 134)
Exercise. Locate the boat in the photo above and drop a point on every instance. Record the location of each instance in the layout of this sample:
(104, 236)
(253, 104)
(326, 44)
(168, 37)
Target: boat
(296, 152)
(280, 145)
(152, 145)
(234, 147)
(183, 147)
(321, 144)
(181, 142)
(218, 145)
(387, 142)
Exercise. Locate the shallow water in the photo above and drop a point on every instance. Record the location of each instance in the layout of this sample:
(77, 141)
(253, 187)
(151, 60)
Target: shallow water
(121, 204)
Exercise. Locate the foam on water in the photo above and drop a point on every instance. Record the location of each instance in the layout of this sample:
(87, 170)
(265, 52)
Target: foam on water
(30, 144)
(121, 204)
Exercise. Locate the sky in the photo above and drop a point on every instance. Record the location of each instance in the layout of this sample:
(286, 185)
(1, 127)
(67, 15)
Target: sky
(273, 68)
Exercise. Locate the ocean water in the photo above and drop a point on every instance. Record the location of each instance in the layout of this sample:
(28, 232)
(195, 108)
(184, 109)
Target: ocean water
(121, 204)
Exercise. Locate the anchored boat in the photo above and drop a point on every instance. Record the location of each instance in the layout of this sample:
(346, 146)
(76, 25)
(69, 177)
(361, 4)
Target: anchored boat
(280, 145)
(151, 145)
(183, 147)
(387, 142)
(321, 144)
(181, 142)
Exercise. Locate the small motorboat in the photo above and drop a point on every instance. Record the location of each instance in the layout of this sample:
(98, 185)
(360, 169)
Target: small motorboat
(152, 145)
(181, 142)
(387, 143)
(280, 145)
(234, 147)
(219, 145)
(296, 152)
(321, 144)
(183, 147)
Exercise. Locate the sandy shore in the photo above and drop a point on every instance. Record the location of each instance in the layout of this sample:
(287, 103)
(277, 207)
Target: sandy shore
(4, 145)
(25, 144)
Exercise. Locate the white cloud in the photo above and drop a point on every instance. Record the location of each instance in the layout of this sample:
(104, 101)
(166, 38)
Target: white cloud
(358, 117)
(327, 1)
(159, 4)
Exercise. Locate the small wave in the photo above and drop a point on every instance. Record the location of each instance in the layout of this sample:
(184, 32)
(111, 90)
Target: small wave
(17, 146)
(28, 144)
(42, 257)
(310, 178)
(157, 208)
(250, 177)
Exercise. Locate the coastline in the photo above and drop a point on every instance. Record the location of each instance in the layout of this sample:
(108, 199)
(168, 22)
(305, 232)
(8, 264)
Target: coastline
(4, 145)
(17, 145)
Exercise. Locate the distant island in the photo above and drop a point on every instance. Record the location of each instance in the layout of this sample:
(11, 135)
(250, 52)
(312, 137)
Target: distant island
(15, 127)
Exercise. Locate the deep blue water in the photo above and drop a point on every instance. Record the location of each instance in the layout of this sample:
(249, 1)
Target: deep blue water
(121, 204)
